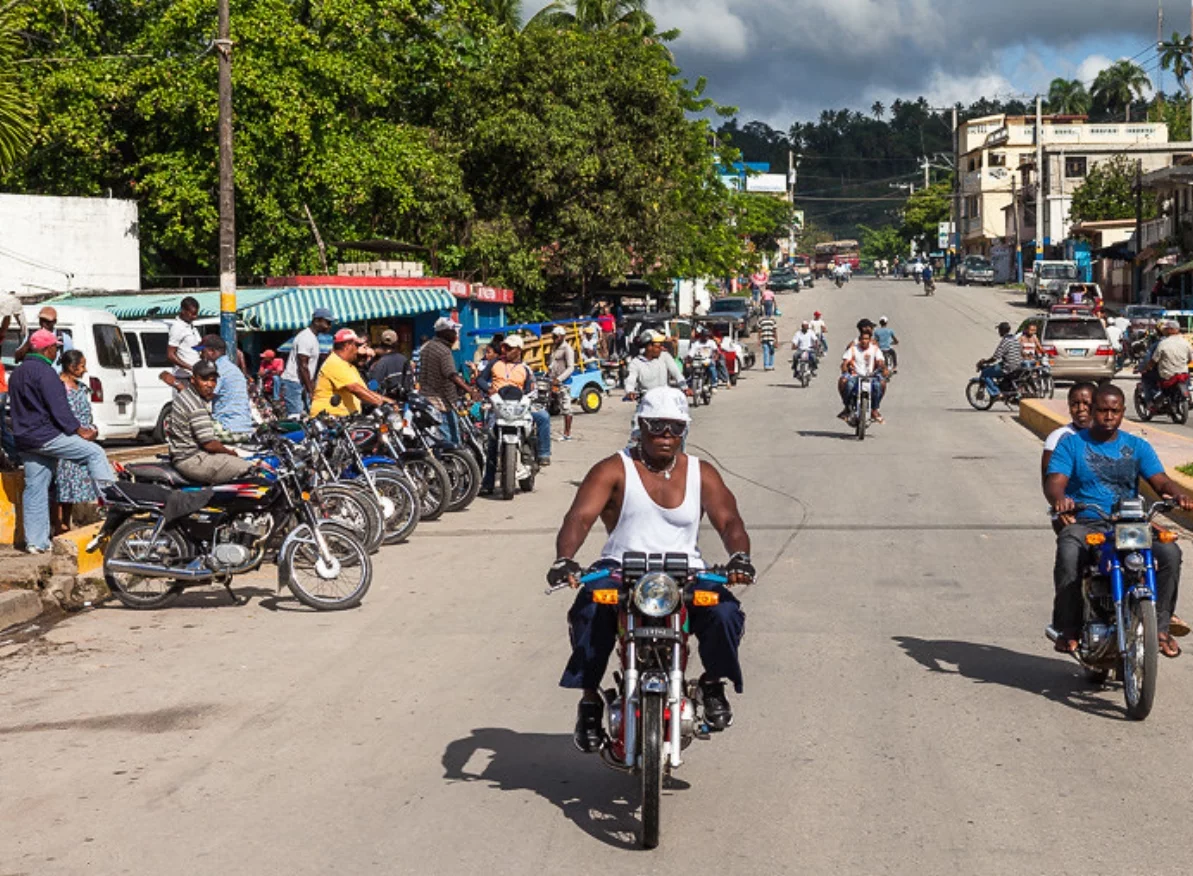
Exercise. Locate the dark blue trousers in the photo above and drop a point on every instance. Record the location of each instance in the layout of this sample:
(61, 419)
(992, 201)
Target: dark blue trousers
(593, 630)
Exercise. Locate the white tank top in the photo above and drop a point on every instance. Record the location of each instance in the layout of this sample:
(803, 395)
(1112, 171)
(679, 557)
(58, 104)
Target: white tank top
(650, 528)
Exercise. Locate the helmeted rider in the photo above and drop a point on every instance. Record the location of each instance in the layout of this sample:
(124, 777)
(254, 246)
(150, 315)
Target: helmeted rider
(651, 499)
(887, 340)
(862, 358)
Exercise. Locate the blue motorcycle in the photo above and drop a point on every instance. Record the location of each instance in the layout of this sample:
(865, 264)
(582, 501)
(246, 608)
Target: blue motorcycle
(1119, 633)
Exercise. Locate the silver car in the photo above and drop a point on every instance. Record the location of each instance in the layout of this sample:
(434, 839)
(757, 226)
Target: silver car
(1078, 347)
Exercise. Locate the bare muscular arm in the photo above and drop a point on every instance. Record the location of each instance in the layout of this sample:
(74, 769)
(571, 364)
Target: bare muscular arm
(591, 499)
(721, 507)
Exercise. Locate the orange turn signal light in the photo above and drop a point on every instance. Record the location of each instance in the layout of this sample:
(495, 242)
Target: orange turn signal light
(705, 598)
(1167, 536)
(605, 597)
(1095, 538)
(306, 497)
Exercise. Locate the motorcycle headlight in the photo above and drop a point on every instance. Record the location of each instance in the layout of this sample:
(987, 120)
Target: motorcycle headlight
(656, 594)
(1132, 536)
(1135, 562)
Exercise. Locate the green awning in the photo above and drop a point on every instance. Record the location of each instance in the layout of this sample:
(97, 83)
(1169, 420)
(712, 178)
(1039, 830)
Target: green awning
(160, 305)
(291, 310)
(1177, 270)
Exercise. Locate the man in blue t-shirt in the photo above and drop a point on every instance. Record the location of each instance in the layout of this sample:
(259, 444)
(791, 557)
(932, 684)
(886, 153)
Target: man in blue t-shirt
(1099, 466)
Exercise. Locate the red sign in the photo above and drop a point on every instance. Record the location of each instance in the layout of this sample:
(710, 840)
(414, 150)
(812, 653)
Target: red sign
(490, 294)
(458, 288)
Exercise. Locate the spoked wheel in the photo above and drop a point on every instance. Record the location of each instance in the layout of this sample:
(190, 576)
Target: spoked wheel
(1049, 386)
(1141, 658)
(134, 542)
(863, 417)
(977, 396)
(696, 397)
(354, 507)
(652, 768)
(465, 477)
(434, 486)
(334, 584)
(509, 470)
(805, 377)
(1142, 410)
(399, 505)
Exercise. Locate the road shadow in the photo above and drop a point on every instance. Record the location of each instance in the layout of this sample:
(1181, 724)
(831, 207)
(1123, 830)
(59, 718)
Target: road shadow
(600, 801)
(1053, 678)
(821, 433)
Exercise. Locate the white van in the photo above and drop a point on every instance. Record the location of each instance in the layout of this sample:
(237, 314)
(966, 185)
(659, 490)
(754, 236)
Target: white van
(147, 341)
(96, 334)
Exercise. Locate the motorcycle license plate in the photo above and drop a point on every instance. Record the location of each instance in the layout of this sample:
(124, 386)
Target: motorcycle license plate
(1073, 351)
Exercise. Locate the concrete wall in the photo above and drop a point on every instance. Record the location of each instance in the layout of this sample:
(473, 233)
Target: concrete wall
(61, 244)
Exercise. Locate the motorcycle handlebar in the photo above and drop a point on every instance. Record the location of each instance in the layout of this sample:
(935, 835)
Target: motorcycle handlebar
(716, 576)
(1157, 508)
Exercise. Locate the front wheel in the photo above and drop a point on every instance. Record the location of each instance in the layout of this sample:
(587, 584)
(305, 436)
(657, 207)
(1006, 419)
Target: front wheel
(353, 506)
(509, 469)
(1142, 408)
(399, 506)
(434, 486)
(977, 396)
(465, 477)
(339, 582)
(1141, 658)
(652, 768)
(863, 417)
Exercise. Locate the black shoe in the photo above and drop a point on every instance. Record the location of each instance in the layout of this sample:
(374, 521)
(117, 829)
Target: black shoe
(544, 461)
(589, 735)
(487, 491)
(717, 712)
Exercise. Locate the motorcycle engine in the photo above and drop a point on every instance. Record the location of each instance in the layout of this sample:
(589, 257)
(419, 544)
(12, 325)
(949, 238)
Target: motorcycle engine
(257, 525)
(231, 554)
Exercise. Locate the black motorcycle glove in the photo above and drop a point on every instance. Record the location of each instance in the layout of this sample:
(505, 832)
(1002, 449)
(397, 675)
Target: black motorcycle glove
(740, 564)
(562, 570)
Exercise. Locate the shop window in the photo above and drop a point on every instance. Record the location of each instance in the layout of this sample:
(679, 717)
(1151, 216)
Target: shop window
(1075, 167)
(998, 159)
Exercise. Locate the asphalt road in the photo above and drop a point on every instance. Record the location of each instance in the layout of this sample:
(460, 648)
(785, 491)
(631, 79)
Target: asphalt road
(903, 712)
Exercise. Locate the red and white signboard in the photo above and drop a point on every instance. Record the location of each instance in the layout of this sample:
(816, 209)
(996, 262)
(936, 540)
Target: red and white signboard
(490, 294)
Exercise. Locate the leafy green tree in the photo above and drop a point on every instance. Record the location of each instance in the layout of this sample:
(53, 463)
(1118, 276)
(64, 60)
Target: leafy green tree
(924, 212)
(16, 119)
(507, 13)
(1177, 56)
(1120, 85)
(882, 243)
(1068, 97)
(1109, 193)
(877, 109)
(598, 15)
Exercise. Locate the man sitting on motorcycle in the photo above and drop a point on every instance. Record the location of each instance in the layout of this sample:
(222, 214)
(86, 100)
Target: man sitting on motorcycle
(1007, 359)
(195, 451)
(862, 358)
(887, 339)
(820, 329)
(705, 352)
(1169, 360)
(644, 508)
(806, 343)
(1099, 466)
(509, 371)
(652, 368)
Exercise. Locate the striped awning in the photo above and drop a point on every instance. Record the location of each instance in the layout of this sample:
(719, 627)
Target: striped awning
(292, 309)
(159, 305)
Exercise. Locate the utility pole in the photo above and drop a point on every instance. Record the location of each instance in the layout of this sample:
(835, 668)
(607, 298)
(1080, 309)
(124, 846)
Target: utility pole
(1018, 265)
(926, 164)
(1039, 179)
(1138, 272)
(955, 202)
(791, 202)
(223, 47)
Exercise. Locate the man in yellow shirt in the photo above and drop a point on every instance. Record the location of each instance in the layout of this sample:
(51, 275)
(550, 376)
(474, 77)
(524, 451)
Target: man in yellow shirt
(338, 376)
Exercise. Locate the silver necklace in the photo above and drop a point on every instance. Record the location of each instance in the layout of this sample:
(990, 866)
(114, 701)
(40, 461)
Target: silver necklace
(665, 472)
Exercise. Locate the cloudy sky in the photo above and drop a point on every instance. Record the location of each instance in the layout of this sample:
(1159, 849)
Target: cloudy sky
(780, 60)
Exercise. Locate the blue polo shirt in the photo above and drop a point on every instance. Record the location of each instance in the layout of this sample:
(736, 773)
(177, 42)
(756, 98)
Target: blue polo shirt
(231, 408)
(1102, 473)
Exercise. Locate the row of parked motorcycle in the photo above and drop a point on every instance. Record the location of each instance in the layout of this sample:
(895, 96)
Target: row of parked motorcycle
(327, 493)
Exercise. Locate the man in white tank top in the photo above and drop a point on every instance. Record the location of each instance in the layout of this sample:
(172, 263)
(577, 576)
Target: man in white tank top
(651, 499)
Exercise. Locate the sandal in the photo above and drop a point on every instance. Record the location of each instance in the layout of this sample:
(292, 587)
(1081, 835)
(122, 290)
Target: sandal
(1177, 627)
(1168, 646)
(1067, 645)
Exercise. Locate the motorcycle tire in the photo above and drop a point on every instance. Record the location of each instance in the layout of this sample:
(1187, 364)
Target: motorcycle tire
(1049, 386)
(133, 591)
(509, 470)
(979, 403)
(353, 506)
(1142, 658)
(696, 397)
(433, 484)
(1180, 410)
(297, 568)
(805, 377)
(652, 768)
(1142, 410)
(465, 477)
(400, 506)
(863, 418)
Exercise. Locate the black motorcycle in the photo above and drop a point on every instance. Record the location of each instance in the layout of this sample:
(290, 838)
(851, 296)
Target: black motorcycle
(1172, 400)
(696, 375)
(1012, 388)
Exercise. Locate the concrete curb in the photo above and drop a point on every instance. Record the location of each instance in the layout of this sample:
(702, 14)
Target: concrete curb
(1036, 416)
(18, 607)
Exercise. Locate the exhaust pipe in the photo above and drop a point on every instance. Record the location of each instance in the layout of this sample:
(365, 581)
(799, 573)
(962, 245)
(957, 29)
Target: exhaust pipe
(156, 570)
(1052, 634)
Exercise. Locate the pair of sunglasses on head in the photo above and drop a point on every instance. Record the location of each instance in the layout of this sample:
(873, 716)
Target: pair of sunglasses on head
(677, 428)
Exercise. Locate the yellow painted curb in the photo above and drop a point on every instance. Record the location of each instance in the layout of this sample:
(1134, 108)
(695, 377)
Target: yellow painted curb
(74, 544)
(1034, 415)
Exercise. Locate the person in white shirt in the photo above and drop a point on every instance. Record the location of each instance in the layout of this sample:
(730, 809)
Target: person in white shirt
(863, 358)
(819, 326)
(704, 352)
(298, 377)
(182, 340)
(590, 341)
(805, 342)
(1115, 333)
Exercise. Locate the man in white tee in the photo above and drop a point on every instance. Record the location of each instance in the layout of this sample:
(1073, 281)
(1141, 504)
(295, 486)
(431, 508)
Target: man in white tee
(298, 377)
(182, 340)
(805, 342)
(704, 351)
(863, 358)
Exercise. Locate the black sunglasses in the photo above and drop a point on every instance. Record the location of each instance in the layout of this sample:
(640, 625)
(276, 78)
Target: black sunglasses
(661, 427)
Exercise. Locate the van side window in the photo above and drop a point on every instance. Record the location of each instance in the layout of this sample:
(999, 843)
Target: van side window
(155, 349)
(134, 349)
(110, 348)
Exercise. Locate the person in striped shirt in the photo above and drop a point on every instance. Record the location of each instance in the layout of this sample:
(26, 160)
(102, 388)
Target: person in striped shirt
(1007, 359)
(767, 332)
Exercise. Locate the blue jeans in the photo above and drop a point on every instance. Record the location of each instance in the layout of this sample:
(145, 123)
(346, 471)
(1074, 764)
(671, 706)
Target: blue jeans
(768, 307)
(992, 374)
(40, 466)
(450, 428)
(768, 354)
(876, 390)
(292, 394)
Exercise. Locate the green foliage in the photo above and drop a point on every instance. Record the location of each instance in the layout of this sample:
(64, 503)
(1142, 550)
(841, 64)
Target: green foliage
(761, 218)
(1177, 56)
(1108, 193)
(15, 115)
(1120, 85)
(1068, 97)
(924, 212)
(882, 243)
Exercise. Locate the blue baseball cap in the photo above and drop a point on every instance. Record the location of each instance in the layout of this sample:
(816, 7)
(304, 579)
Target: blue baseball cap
(322, 313)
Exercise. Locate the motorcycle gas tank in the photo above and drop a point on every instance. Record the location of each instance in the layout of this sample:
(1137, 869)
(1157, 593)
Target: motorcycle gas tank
(364, 435)
(240, 497)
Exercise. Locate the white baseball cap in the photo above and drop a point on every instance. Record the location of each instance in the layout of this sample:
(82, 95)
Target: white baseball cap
(664, 403)
(514, 341)
(559, 331)
(446, 323)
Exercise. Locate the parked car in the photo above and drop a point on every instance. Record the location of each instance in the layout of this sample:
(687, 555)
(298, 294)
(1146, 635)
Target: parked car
(147, 347)
(784, 280)
(1077, 345)
(975, 269)
(740, 310)
(96, 334)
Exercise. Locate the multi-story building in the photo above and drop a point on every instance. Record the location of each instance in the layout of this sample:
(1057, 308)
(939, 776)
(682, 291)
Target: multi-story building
(999, 178)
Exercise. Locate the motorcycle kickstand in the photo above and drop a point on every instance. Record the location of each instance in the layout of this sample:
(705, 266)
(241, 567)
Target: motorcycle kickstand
(236, 600)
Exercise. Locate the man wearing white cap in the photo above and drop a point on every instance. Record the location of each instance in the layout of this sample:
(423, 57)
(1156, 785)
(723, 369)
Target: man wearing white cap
(562, 366)
(509, 371)
(651, 499)
(1169, 360)
(651, 369)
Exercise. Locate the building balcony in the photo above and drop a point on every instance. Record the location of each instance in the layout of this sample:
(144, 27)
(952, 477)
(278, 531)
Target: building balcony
(1155, 230)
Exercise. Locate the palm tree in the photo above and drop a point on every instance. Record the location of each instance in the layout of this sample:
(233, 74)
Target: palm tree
(1120, 85)
(878, 109)
(1068, 97)
(595, 15)
(1177, 56)
(507, 13)
(16, 119)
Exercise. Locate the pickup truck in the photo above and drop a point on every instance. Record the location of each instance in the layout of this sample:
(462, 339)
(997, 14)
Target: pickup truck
(1047, 281)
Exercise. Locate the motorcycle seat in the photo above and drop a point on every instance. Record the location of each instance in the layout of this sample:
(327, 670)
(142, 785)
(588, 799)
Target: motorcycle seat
(157, 473)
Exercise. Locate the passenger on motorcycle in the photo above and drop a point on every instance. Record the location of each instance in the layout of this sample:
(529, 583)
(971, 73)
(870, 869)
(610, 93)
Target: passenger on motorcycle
(806, 342)
(1081, 410)
(563, 365)
(652, 369)
(862, 358)
(705, 352)
(1099, 466)
(820, 327)
(651, 498)
(1030, 346)
(509, 371)
(1169, 360)
(1007, 359)
(886, 338)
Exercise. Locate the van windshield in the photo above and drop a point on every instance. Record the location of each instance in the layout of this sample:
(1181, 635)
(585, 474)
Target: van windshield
(110, 349)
